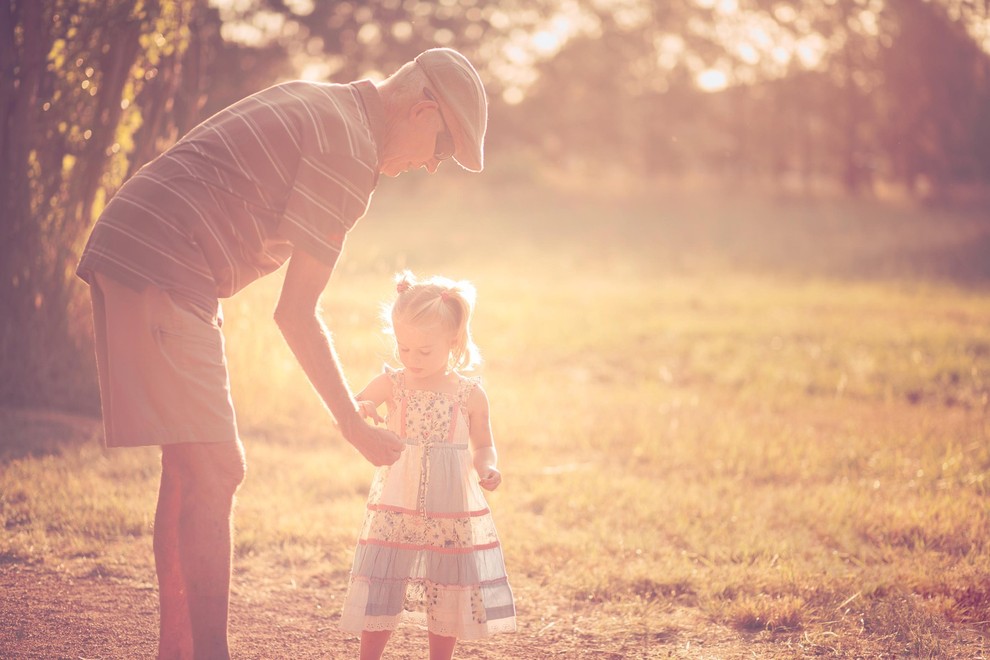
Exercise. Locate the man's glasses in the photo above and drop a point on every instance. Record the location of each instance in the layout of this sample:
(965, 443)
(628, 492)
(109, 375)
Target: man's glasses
(444, 147)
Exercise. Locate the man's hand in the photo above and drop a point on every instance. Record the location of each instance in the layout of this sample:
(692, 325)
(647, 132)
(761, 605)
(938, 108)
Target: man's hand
(379, 446)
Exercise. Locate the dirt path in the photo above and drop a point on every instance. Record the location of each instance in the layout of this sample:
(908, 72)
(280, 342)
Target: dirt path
(46, 613)
(106, 606)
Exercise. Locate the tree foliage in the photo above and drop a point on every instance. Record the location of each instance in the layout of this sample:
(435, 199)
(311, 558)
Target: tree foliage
(92, 89)
(88, 89)
(898, 92)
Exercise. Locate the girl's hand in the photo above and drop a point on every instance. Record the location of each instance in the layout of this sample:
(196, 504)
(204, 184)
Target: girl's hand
(369, 410)
(485, 460)
(489, 477)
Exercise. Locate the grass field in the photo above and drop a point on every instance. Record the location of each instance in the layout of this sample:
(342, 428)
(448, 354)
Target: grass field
(766, 415)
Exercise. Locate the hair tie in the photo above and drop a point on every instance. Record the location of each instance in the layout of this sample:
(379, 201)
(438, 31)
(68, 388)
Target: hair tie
(402, 286)
(445, 296)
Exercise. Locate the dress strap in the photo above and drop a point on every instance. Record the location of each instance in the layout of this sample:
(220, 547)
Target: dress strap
(393, 374)
(398, 378)
(464, 387)
(454, 413)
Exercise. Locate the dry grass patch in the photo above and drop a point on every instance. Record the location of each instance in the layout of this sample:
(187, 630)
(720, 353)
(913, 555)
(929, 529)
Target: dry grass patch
(707, 437)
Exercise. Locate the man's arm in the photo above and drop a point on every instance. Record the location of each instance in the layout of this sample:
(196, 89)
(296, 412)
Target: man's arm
(297, 316)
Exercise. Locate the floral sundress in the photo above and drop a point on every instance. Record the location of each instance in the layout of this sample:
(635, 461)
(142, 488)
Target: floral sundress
(428, 552)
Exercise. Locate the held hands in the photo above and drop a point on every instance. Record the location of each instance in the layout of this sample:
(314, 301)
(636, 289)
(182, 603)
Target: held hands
(379, 446)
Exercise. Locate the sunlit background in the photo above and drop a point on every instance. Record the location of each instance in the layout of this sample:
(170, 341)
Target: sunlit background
(852, 97)
(732, 261)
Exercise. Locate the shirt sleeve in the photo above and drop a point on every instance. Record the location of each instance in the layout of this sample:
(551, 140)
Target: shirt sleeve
(330, 193)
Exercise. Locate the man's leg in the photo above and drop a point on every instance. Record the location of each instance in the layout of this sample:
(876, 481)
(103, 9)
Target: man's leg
(175, 633)
(163, 377)
(208, 477)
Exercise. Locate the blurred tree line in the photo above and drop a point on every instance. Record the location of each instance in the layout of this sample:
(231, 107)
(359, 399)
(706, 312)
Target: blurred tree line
(898, 94)
(854, 93)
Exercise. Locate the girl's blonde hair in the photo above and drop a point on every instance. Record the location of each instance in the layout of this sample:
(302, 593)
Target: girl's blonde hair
(437, 300)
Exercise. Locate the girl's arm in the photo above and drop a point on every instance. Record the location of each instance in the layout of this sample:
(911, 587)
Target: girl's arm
(482, 444)
(374, 394)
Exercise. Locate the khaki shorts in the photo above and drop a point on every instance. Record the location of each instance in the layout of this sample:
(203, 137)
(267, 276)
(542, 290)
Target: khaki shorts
(163, 372)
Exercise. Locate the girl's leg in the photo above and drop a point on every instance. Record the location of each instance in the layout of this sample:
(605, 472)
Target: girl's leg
(441, 648)
(373, 643)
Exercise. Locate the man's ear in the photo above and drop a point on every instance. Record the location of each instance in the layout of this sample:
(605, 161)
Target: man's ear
(420, 107)
(425, 108)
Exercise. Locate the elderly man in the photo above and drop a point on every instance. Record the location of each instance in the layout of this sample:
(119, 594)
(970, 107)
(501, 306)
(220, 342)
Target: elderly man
(280, 175)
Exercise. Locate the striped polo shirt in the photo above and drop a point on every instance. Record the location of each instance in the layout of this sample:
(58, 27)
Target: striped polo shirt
(292, 166)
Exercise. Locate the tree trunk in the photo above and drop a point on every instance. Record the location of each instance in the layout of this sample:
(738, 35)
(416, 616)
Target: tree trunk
(70, 106)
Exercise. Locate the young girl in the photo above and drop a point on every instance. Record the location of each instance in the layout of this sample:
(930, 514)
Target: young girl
(428, 550)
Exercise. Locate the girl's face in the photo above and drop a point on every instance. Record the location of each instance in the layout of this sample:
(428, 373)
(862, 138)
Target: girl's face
(423, 351)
